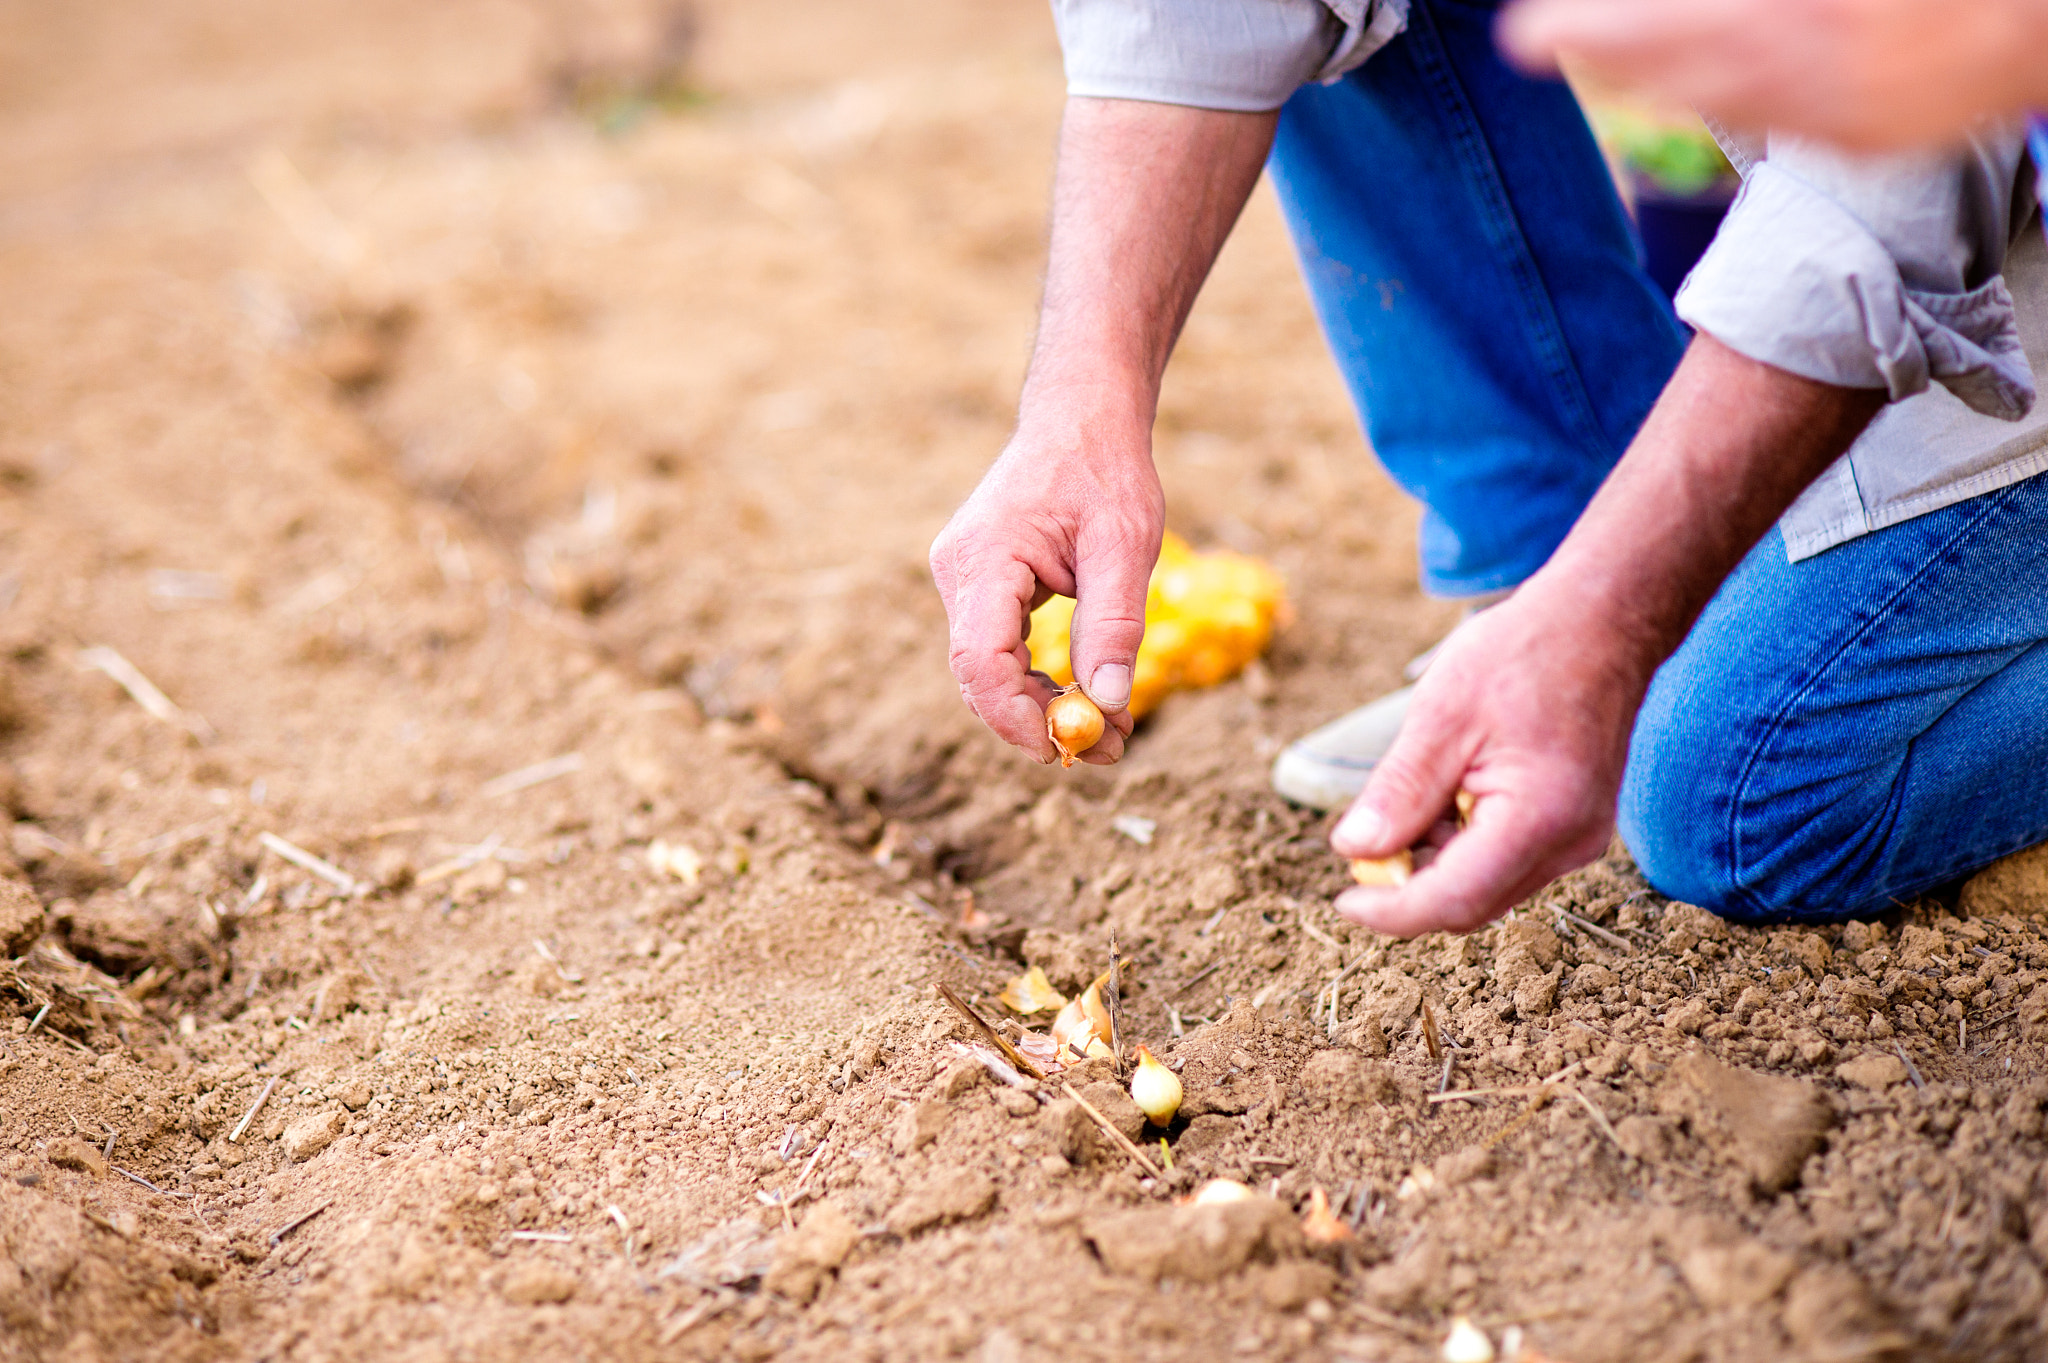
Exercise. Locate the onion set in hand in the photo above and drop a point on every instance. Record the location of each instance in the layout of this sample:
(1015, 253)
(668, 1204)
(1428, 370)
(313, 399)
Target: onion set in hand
(1394, 871)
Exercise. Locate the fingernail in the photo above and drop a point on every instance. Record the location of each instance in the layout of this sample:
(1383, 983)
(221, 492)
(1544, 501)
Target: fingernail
(1362, 827)
(1111, 685)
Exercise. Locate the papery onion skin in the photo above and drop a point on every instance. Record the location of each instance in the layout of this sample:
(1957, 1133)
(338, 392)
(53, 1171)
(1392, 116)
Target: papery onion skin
(1073, 724)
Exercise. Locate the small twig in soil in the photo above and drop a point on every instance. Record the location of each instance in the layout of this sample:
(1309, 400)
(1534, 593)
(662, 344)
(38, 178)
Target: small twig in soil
(551, 1237)
(137, 1178)
(1507, 1090)
(1912, 1070)
(692, 1318)
(392, 827)
(306, 861)
(805, 1177)
(143, 691)
(41, 1013)
(1204, 973)
(1619, 943)
(1443, 1084)
(254, 1108)
(1522, 1118)
(277, 1236)
(1430, 1035)
(1119, 1137)
(1387, 1320)
(626, 1233)
(532, 775)
(72, 1042)
(1599, 1117)
(1009, 1052)
(994, 1064)
(1325, 938)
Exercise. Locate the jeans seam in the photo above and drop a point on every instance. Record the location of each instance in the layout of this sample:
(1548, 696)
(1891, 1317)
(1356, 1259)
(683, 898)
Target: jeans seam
(1996, 502)
(1565, 384)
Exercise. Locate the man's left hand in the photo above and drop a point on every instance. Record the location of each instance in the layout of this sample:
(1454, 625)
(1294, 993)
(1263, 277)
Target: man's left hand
(1530, 710)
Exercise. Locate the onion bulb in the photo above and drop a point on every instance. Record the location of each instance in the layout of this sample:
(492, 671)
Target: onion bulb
(1467, 1343)
(1218, 1191)
(1073, 724)
(1321, 1224)
(1393, 870)
(1155, 1089)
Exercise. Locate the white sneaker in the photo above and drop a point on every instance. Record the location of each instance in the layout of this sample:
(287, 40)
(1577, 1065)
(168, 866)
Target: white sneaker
(1327, 768)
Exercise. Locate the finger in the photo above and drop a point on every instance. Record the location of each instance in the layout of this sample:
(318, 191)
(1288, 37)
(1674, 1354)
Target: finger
(1108, 749)
(1110, 582)
(1505, 856)
(1409, 790)
(991, 661)
(1642, 42)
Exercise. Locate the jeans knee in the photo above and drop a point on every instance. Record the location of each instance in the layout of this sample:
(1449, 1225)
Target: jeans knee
(1674, 810)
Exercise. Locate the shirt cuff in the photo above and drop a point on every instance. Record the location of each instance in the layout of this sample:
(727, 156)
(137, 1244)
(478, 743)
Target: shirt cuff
(1797, 281)
(1369, 25)
(1211, 54)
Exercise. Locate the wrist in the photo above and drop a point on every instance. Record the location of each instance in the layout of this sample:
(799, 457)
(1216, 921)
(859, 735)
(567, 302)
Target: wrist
(1606, 614)
(1100, 408)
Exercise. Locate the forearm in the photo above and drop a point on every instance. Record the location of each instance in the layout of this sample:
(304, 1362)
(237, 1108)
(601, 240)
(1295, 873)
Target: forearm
(1145, 196)
(1727, 448)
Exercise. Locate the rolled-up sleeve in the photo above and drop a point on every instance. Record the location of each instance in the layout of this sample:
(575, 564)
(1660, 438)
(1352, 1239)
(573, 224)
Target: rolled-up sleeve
(1874, 273)
(1246, 56)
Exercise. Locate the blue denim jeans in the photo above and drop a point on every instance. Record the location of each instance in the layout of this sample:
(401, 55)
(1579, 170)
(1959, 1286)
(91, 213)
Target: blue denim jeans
(1834, 734)
(1478, 282)
(1855, 728)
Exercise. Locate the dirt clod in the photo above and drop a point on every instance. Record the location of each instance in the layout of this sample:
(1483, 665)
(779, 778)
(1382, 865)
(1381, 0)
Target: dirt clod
(309, 1135)
(946, 1196)
(1197, 1244)
(1773, 1124)
(804, 1257)
(21, 917)
(536, 1284)
(68, 1152)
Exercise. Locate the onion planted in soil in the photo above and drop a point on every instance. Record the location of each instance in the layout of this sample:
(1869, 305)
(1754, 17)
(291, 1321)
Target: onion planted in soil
(1155, 1089)
(1073, 724)
(1467, 1343)
(1218, 1191)
(1321, 1224)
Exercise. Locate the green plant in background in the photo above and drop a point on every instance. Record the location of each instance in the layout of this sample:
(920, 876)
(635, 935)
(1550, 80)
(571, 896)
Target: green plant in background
(1676, 158)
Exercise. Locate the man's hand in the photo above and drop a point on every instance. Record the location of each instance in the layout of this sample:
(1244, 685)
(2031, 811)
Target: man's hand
(1527, 706)
(1146, 195)
(1530, 705)
(1866, 74)
(1072, 511)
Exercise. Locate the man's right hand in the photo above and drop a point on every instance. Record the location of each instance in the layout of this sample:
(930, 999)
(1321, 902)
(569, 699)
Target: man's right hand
(1071, 508)
(1146, 195)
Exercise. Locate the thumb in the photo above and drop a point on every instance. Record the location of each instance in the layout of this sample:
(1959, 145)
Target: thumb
(1410, 789)
(1110, 582)
(1527, 34)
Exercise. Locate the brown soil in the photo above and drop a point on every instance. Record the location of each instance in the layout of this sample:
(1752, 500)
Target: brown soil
(420, 393)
